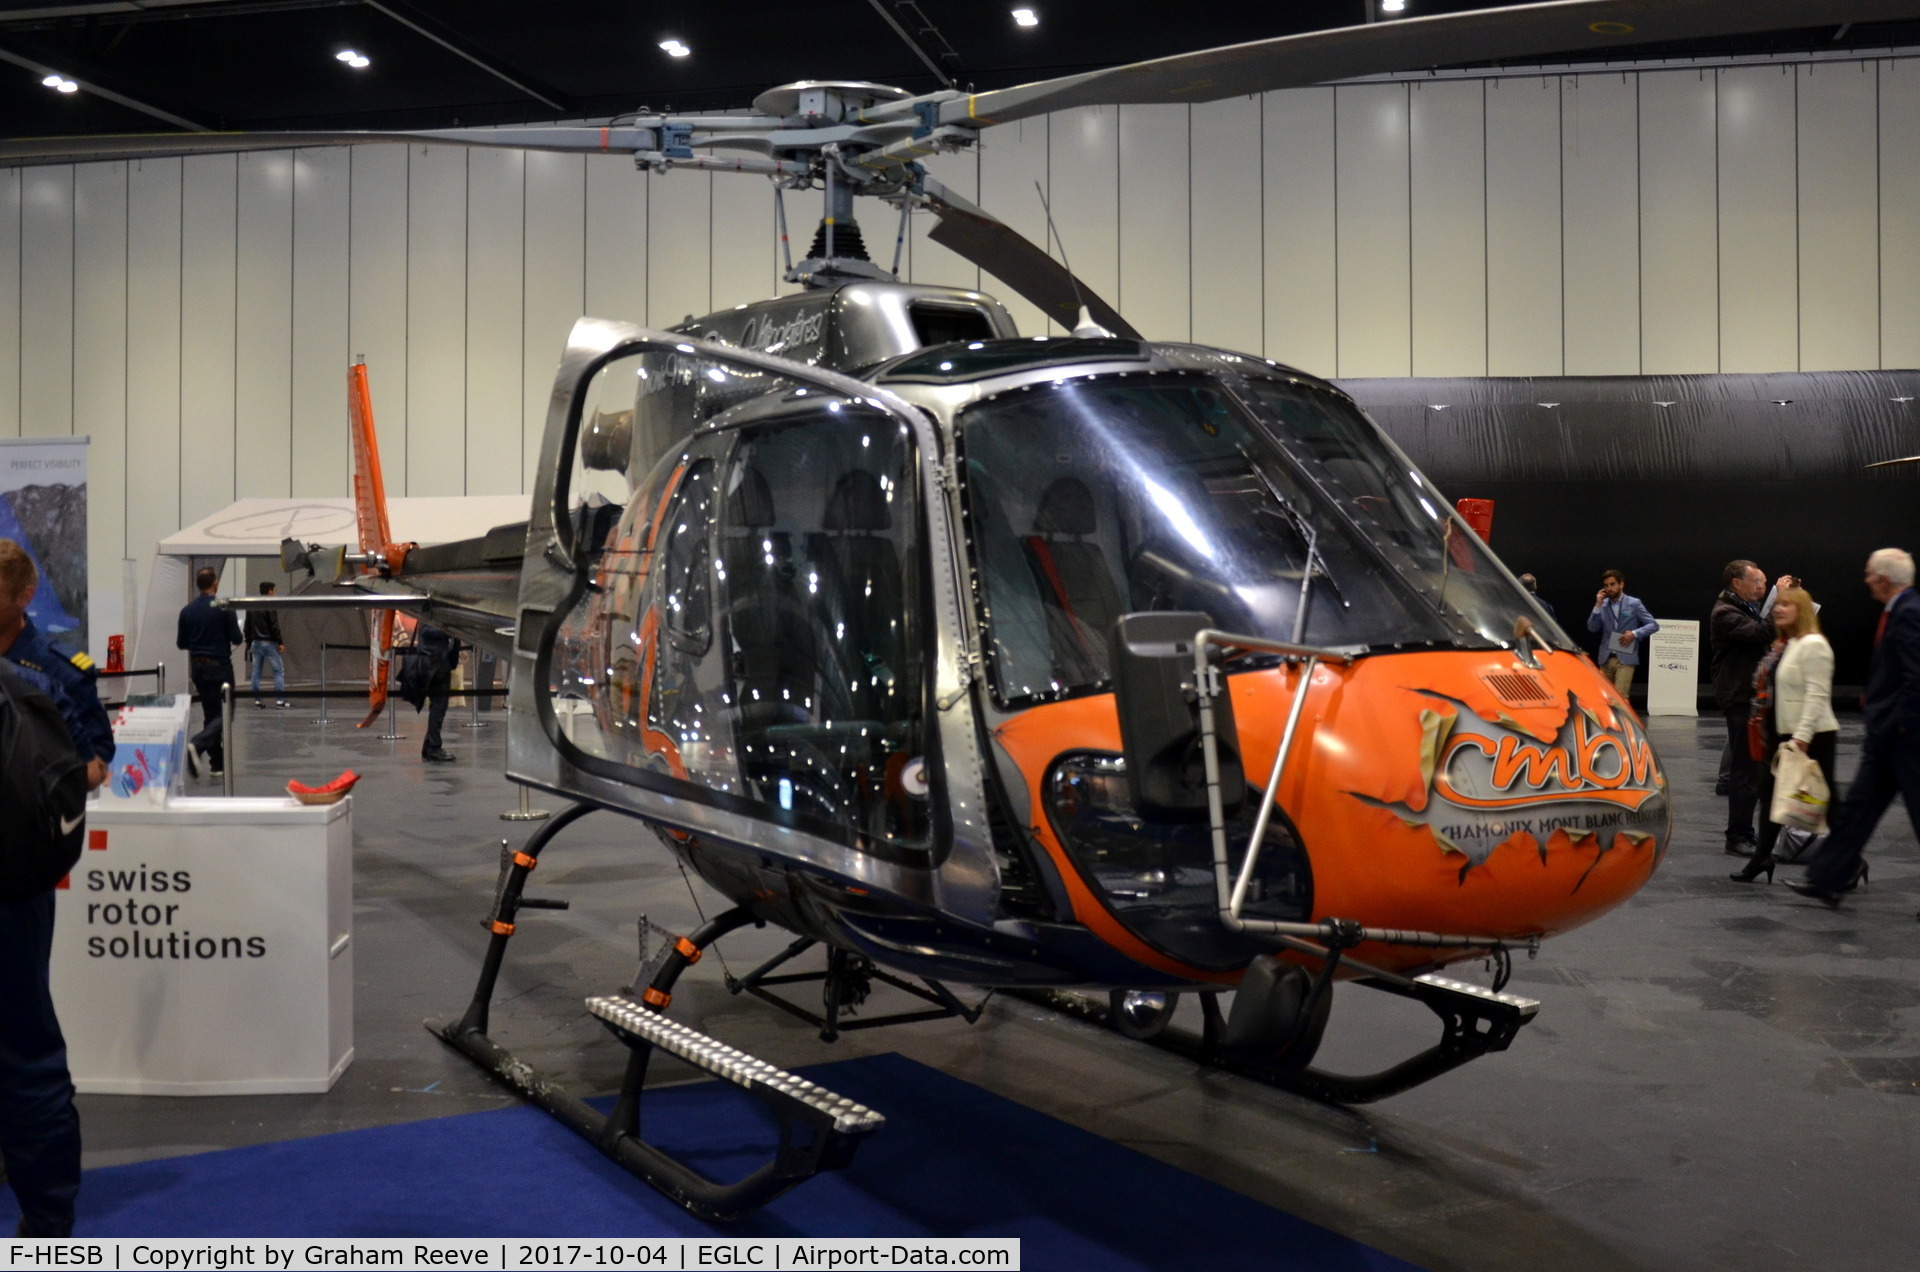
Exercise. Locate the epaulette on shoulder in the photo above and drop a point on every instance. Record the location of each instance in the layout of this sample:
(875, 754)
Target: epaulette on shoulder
(81, 661)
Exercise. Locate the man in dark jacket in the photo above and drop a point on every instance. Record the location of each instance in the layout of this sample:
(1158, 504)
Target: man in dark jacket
(1890, 759)
(208, 634)
(265, 647)
(1740, 637)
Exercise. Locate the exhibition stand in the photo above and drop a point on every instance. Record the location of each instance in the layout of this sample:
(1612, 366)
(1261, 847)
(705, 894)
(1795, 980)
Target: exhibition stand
(210, 944)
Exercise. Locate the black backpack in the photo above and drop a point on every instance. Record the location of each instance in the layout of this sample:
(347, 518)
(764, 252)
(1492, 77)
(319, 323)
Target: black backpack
(43, 791)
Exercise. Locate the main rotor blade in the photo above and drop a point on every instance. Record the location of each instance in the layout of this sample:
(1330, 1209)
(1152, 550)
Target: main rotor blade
(623, 140)
(999, 249)
(1410, 44)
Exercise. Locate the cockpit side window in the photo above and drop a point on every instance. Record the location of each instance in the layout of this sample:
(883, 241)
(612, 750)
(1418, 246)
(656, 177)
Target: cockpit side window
(821, 591)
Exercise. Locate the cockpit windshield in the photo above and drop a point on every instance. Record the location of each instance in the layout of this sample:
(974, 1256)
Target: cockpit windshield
(1098, 496)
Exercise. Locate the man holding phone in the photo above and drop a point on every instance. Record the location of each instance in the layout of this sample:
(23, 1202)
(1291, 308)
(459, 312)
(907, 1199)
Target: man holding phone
(1624, 625)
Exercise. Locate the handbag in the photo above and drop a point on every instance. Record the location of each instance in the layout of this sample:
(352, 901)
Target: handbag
(1800, 793)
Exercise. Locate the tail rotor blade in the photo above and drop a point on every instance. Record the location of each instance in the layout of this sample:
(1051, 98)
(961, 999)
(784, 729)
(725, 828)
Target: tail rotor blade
(996, 247)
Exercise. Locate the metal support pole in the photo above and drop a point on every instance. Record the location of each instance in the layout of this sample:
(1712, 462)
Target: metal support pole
(473, 696)
(526, 811)
(323, 683)
(160, 680)
(228, 743)
(393, 733)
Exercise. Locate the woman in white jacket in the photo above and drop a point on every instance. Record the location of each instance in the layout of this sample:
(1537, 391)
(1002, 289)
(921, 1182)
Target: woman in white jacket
(1802, 692)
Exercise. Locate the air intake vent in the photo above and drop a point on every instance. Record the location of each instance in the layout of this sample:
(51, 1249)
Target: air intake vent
(1518, 688)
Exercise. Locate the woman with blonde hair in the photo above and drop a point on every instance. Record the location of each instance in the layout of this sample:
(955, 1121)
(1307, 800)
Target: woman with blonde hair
(1793, 706)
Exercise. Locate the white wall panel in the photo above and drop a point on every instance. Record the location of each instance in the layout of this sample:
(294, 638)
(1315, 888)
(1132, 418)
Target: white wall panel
(555, 293)
(1600, 237)
(1839, 306)
(207, 246)
(1374, 256)
(10, 318)
(617, 230)
(100, 380)
(496, 241)
(153, 354)
(1155, 232)
(928, 261)
(263, 333)
(1448, 198)
(1083, 183)
(744, 239)
(679, 238)
(1899, 214)
(1679, 224)
(1298, 228)
(1523, 227)
(1228, 307)
(377, 296)
(322, 215)
(1759, 210)
(436, 322)
(46, 301)
(1012, 159)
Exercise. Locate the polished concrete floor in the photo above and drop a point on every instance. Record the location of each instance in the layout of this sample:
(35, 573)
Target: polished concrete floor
(1720, 1076)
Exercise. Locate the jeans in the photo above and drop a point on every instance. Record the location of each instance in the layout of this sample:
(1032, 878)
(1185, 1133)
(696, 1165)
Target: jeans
(267, 653)
(210, 675)
(439, 689)
(39, 1128)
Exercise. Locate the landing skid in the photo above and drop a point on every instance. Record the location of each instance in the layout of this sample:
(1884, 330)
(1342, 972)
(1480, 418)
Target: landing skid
(818, 1130)
(1474, 1022)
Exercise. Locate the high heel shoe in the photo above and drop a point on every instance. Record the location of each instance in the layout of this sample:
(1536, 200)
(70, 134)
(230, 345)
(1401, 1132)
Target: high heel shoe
(1755, 868)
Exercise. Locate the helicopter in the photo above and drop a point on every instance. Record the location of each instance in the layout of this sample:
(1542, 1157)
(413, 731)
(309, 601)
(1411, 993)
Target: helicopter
(1051, 664)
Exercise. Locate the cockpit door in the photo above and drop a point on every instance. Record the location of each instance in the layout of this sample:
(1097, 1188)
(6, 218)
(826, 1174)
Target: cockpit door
(738, 613)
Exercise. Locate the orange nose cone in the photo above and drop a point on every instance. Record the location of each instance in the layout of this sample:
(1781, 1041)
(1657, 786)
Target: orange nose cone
(1464, 792)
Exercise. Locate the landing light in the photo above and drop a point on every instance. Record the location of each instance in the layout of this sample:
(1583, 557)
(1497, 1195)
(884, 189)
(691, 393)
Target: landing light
(60, 84)
(355, 58)
(1027, 17)
(675, 48)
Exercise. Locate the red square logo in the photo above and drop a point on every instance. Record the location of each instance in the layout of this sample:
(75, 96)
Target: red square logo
(96, 841)
(66, 881)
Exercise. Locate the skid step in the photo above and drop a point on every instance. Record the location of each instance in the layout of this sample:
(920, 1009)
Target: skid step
(813, 1101)
(1523, 1009)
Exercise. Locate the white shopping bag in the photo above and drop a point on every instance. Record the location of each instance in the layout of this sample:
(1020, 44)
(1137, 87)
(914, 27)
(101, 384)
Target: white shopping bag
(1800, 791)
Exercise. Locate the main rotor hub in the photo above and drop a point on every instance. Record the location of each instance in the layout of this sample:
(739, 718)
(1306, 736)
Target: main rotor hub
(825, 101)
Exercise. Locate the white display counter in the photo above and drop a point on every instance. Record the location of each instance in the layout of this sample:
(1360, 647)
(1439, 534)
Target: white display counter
(205, 948)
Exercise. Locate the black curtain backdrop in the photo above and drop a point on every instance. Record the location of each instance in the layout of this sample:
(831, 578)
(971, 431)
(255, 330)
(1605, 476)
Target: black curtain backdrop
(1667, 478)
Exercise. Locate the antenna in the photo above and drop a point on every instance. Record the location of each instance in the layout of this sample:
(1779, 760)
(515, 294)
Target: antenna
(1083, 323)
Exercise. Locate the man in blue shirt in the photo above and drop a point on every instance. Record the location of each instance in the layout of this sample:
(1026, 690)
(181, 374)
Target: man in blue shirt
(1624, 625)
(208, 634)
(39, 1129)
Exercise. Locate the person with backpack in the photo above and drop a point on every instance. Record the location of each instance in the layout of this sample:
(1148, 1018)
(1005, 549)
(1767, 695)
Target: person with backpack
(72, 677)
(44, 779)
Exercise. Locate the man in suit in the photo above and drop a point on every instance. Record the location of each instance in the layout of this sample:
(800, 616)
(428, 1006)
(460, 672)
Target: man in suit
(1740, 636)
(1624, 625)
(1890, 759)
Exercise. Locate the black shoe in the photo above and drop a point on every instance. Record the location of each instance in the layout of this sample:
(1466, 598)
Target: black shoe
(1720, 788)
(1755, 868)
(1814, 890)
(437, 757)
(1742, 847)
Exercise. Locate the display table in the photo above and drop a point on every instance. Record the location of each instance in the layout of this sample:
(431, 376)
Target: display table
(205, 948)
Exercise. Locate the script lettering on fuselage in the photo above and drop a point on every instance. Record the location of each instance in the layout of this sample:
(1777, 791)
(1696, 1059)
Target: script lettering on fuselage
(784, 333)
(1488, 781)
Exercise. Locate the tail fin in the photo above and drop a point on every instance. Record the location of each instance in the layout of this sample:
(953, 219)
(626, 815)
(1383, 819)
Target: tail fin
(369, 487)
(376, 535)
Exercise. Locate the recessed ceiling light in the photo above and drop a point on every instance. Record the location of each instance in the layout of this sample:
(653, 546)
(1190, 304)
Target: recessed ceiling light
(1393, 6)
(355, 58)
(1025, 17)
(675, 48)
(60, 84)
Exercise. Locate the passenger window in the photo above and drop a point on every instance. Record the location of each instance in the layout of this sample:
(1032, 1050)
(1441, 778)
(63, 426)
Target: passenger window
(820, 561)
(950, 324)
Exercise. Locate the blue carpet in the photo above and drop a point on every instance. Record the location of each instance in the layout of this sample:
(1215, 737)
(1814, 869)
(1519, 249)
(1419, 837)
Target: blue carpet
(953, 1160)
